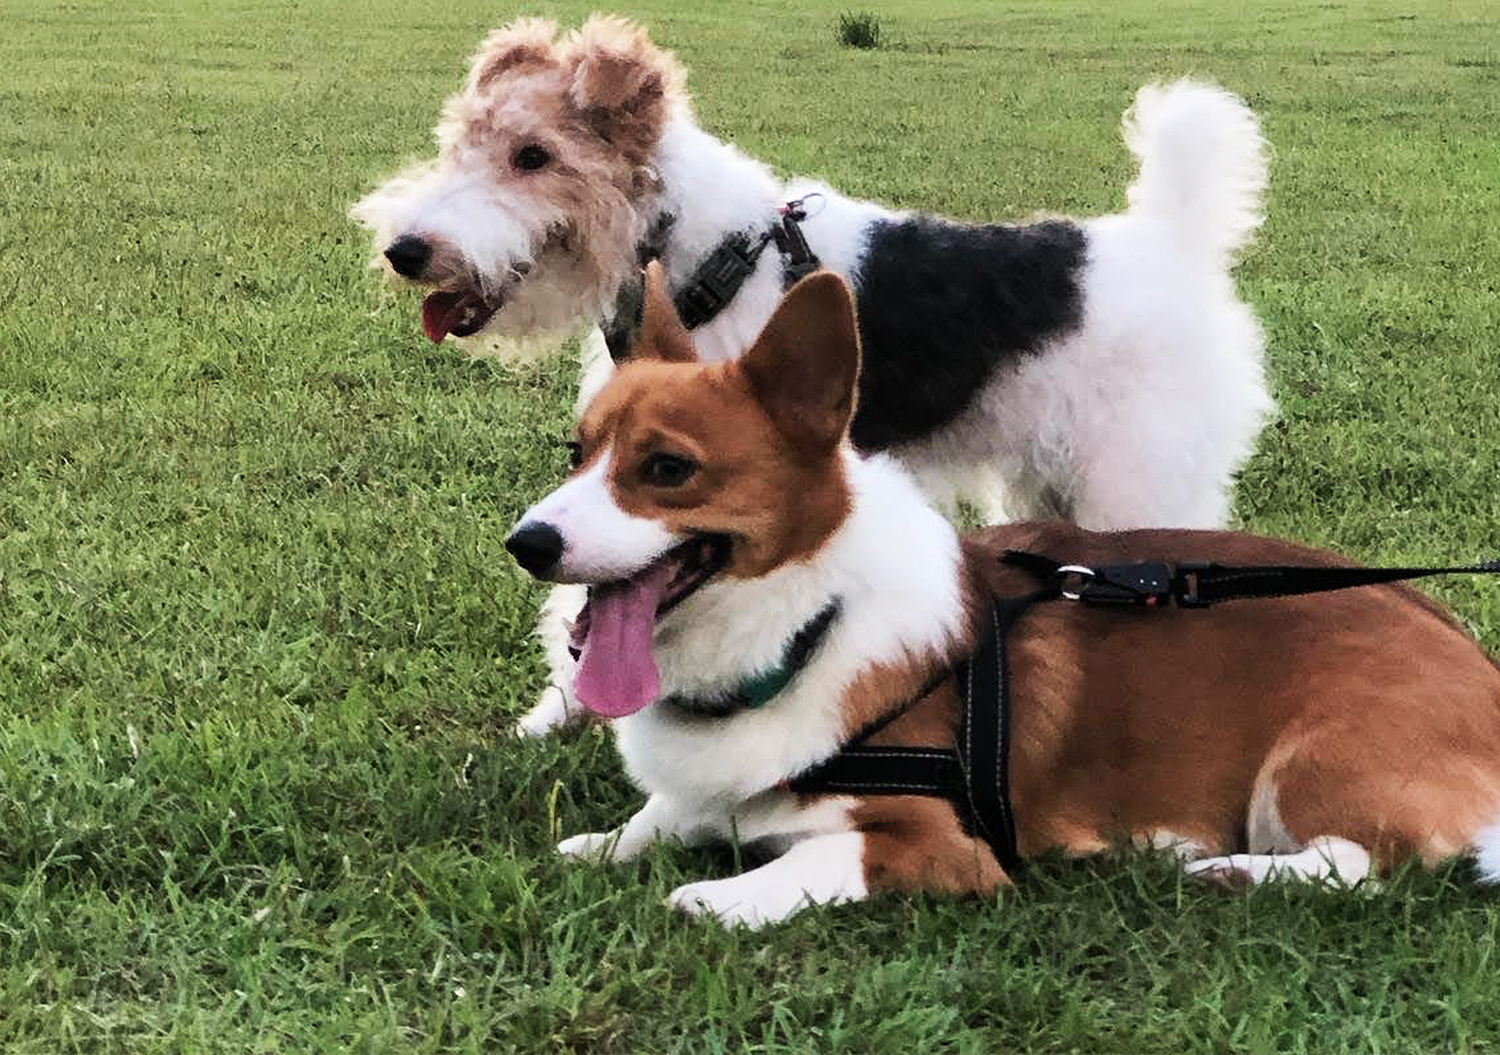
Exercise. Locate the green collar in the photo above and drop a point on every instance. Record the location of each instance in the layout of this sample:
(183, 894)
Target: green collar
(757, 690)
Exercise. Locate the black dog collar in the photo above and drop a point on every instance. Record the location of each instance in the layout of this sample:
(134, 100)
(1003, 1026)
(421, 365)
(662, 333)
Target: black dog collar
(716, 280)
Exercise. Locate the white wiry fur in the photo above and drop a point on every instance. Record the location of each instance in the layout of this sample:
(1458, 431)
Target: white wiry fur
(1202, 173)
(716, 778)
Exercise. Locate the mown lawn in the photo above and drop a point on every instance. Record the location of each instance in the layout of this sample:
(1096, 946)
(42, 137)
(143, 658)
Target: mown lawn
(260, 645)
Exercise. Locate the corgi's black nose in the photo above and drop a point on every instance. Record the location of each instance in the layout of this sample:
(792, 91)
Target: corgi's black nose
(536, 547)
(408, 255)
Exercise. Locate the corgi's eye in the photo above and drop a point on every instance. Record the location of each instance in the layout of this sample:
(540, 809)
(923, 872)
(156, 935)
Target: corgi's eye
(668, 470)
(575, 453)
(530, 158)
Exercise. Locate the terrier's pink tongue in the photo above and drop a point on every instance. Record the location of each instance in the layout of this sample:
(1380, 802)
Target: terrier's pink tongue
(617, 672)
(439, 311)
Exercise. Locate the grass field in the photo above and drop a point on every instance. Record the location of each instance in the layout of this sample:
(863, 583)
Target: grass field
(260, 645)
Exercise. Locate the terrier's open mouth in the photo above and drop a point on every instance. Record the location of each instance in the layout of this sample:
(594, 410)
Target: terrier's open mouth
(464, 312)
(613, 635)
(461, 313)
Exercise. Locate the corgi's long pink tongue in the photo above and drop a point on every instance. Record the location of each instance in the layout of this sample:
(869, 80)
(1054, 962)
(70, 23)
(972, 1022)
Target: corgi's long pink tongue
(617, 672)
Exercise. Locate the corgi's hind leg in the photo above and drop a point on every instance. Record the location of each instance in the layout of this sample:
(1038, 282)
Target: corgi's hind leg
(1338, 802)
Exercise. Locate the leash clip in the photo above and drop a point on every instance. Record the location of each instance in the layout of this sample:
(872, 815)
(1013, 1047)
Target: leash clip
(1084, 577)
(800, 261)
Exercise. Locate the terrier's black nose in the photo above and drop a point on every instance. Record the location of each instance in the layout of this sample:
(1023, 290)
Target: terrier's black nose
(536, 547)
(408, 255)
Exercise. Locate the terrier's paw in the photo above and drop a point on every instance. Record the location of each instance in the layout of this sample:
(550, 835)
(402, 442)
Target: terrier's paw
(590, 845)
(553, 710)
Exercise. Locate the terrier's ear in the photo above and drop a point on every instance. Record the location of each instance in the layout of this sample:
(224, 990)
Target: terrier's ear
(623, 84)
(526, 40)
(804, 366)
(662, 336)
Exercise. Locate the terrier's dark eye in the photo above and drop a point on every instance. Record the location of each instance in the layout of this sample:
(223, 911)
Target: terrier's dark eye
(575, 453)
(668, 470)
(530, 157)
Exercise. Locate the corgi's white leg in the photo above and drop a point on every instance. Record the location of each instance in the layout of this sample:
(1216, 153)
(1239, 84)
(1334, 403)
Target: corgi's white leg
(822, 870)
(556, 706)
(1327, 858)
(659, 818)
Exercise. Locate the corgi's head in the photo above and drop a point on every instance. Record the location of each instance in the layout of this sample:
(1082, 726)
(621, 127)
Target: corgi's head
(684, 472)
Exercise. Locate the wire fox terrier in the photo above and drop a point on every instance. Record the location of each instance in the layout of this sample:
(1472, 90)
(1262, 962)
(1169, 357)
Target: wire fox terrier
(1102, 370)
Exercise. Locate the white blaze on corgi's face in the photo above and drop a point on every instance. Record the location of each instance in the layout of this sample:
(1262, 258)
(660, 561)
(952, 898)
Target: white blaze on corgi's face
(683, 472)
(601, 541)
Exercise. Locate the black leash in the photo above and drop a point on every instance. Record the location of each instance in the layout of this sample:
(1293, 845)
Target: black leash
(1197, 584)
(975, 777)
(716, 281)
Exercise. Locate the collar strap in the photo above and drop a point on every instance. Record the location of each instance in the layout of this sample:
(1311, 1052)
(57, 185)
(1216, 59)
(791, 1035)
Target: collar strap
(713, 284)
(718, 278)
(760, 689)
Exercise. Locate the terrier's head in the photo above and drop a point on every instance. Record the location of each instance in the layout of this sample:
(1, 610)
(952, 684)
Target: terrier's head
(685, 473)
(528, 219)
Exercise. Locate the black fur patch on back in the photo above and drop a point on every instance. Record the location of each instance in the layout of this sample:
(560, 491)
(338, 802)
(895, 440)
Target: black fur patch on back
(942, 304)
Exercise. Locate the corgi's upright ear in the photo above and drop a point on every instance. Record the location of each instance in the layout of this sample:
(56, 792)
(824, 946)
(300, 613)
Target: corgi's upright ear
(662, 335)
(804, 366)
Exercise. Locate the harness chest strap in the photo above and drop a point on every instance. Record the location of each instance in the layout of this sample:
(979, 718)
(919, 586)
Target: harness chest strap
(975, 776)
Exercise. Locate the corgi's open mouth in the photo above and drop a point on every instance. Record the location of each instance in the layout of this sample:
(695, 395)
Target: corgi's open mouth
(617, 672)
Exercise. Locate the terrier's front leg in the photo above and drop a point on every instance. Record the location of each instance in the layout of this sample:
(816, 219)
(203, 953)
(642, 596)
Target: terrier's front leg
(659, 818)
(821, 870)
(556, 706)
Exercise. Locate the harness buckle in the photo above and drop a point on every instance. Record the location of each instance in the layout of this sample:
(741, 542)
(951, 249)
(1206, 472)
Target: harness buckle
(1146, 584)
(716, 282)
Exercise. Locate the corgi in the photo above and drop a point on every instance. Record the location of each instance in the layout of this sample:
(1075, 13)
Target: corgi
(760, 595)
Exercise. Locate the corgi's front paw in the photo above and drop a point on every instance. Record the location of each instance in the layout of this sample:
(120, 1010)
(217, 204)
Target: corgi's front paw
(730, 902)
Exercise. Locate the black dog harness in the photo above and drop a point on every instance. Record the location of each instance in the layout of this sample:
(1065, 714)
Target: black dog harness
(715, 281)
(975, 777)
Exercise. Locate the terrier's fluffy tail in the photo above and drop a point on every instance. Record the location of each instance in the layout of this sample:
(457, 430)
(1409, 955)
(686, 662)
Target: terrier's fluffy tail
(1202, 164)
